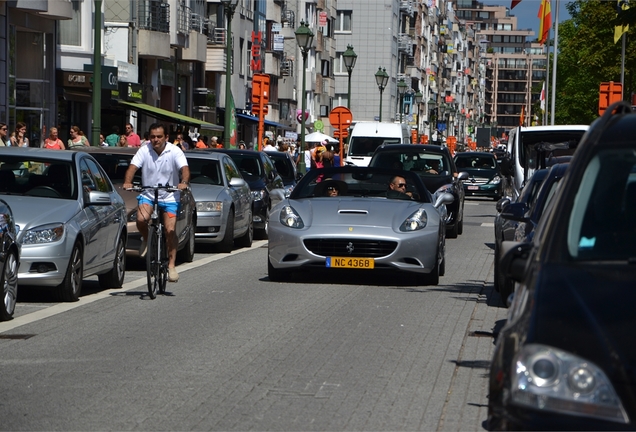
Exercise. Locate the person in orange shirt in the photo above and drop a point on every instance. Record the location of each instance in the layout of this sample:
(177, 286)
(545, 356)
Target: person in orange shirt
(202, 142)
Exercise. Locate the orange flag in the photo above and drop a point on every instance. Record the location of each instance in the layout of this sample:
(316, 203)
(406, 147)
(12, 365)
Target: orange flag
(522, 117)
(514, 3)
(545, 21)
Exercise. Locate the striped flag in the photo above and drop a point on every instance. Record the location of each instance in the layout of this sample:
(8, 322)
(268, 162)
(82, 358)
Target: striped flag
(545, 21)
(543, 97)
(619, 30)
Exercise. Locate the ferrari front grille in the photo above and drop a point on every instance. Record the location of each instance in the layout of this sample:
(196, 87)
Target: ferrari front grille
(350, 247)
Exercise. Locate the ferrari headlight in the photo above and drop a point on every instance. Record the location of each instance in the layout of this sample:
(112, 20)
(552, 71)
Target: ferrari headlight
(210, 206)
(549, 379)
(258, 194)
(415, 222)
(290, 218)
(495, 180)
(43, 234)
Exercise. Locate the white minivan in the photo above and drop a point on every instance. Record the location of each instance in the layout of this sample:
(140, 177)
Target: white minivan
(529, 148)
(367, 136)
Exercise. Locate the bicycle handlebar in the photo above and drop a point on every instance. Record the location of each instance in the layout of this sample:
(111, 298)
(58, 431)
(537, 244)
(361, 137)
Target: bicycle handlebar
(139, 188)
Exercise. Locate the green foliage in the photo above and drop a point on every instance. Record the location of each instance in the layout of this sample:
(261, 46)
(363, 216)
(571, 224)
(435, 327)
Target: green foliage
(587, 57)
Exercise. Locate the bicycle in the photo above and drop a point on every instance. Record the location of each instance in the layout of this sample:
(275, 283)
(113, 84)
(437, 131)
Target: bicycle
(157, 253)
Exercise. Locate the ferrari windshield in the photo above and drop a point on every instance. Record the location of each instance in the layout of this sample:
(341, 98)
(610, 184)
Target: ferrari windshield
(361, 182)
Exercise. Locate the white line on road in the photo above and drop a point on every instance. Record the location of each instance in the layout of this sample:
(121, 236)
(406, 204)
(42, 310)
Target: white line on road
(488, 224)
(64, 307)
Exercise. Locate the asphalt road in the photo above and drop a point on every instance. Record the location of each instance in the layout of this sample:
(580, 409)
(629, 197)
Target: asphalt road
(230, 350)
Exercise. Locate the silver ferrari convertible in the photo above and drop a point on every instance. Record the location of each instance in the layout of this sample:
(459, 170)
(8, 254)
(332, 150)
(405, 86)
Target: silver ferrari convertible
(362, 219)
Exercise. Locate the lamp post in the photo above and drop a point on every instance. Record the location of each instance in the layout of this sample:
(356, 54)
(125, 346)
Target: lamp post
(432, 118)
(418, 100)
(349, 57)
(229, 6)
(304, 38)
(381, 79)
(402, 86)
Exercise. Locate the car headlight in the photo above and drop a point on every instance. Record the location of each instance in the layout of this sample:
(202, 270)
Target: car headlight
(495, 180)
(290, 218)
(209, 206)
(416, 221)
(549, 379)
(258, 194)
(43, 234)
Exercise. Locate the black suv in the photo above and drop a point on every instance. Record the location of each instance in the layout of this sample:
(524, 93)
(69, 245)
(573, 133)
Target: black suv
(437, 170)
(266, 185)
(566, 357)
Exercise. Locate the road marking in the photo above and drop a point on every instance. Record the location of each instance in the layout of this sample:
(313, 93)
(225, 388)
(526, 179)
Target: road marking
(64, 307)
(488, 224)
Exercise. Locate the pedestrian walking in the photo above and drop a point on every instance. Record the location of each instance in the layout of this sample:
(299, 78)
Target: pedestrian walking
(18, 138)
(53, 142)
(113, 138)
(123, 142)
(131, 137)
(77, 138)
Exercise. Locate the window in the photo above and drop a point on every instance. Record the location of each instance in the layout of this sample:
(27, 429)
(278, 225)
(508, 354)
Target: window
(483, 15)
(343, 21)
(339, 100)
(338, 64)
(325, 68)
(70, 30)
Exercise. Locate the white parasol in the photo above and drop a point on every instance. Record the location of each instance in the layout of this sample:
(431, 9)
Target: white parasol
(320, 137)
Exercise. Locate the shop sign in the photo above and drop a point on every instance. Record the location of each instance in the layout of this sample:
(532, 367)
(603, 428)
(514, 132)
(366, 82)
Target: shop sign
(76, 79)
(279, 42)
(322, 19)
(256, 64)
(131, 92)
(109, 76)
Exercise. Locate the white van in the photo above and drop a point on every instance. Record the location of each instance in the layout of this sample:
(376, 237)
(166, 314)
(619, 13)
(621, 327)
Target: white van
(367, 136)
(530, 147)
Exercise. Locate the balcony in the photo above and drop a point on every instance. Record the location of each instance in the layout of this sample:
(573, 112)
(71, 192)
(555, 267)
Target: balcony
(406, 6)
(181, 29)
(272, 63)
(197, 48)
(405, 43)
(320, 42)
(216, 35)
(318, 88)
(215, 59)
(286, 88)
(321, 4)
(154, 29)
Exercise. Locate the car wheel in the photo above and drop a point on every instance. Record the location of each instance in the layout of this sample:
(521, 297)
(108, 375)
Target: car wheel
(442, 267)
(245, 241)
(115, 277)
(262, 233)
(228, 239)
(433, 277)
(70, 288)
(187, 253)
(460, 226)
(276, 275)
(506, 287)
(9, 282)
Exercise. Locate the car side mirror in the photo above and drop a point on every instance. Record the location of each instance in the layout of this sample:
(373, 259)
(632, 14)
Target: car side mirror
(445, 198)
(515, 259)
(237, 182)
(506, 167)
(503, 202)
(98, 198)
(515, 211)
(462, 176)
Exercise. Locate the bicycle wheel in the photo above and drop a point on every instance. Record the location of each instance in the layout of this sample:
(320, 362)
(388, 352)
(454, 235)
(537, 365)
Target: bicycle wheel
(163, 266)
(152, 262)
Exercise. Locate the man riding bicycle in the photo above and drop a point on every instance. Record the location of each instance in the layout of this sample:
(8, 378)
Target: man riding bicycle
(162, 162)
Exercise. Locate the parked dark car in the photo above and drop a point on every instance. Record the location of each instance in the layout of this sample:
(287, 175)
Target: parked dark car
(115, 161)
(9, 261)
(484, 176)
(286, 168)
(566, 357)
(266, 185)
(505, 228)
(437, 170)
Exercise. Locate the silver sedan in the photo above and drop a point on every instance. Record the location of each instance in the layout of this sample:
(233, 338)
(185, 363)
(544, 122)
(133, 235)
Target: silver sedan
(349, 218)
(223, 201)
(71, 221)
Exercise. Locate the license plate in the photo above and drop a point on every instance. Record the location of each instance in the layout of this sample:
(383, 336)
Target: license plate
(348, 262)
(473, 188)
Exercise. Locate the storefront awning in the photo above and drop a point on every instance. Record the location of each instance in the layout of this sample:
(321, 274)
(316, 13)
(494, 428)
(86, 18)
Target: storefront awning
(163, 114)
(267, 122)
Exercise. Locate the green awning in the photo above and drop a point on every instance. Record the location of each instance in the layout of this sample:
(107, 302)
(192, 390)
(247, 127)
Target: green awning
(163, 114)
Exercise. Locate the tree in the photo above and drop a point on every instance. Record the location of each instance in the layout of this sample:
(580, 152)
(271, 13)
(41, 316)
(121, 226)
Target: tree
(587, 57)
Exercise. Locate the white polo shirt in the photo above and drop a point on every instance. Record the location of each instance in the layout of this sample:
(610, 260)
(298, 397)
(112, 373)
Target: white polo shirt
(160, 169)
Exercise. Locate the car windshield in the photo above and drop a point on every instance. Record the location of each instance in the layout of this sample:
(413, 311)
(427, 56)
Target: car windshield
(359, 182)
(565, 143)
(365, 146)
(475, 162)
(602, 220)
(37, 177)
(284, 167)
(204, 171)
(115, 165)
(424, 163)
(248, 165)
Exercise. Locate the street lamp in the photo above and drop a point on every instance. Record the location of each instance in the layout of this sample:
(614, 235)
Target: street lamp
(418, 100)
(304, 37)
(402, 86)
(229, 6)
(432, 118)
(349, 57)
(381, 79)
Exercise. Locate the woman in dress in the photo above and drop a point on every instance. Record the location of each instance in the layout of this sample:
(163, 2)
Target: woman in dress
(53, 142)
(77, 138)
(19, 138)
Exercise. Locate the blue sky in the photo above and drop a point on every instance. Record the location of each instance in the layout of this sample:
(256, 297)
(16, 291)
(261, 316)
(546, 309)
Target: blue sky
(526, 12)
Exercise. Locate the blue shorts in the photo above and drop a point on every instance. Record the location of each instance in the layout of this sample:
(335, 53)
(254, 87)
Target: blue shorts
(172, 208)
